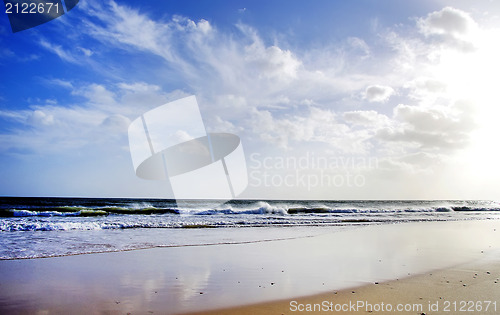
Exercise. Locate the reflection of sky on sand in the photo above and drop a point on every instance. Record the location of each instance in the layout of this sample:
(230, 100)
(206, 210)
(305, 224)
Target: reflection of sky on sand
(290, 268)
(162, 282)
(172, 280)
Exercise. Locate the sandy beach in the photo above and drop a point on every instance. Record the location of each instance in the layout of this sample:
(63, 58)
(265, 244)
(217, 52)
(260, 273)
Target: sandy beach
(468, 288)
(410, 262)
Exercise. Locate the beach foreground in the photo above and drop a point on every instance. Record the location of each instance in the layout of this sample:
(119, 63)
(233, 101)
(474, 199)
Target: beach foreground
(203, 278)
(468, 288)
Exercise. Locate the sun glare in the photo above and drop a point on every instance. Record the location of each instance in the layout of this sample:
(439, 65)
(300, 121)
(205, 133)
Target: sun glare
(472, 76)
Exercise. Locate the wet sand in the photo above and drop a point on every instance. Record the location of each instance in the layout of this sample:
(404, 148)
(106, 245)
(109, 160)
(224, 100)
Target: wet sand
(202, 278)
(470, 288)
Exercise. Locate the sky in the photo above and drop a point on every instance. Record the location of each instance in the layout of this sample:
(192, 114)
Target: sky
(331, 99)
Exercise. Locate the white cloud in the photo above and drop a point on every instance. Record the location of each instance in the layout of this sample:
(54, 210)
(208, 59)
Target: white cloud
(116, 123)
(212, 62)
(38, 117)
(378, 93)
(319, 126)
(204, 26)
(453, 27)
(367, 118)
(448, 21)
(271, 62)
(59, 51)
(435, 119)
(86, 52)
(436, 128)
(62, 83)
(53, 129)
(426, 89)
(360, 45)
(217, 124)
(419, 163)
(100, 121)
(127, 26)
(97, 94)
(139, 87)
(13, 115)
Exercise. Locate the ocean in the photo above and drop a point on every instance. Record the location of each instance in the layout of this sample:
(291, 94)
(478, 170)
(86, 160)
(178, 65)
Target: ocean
(33, 227)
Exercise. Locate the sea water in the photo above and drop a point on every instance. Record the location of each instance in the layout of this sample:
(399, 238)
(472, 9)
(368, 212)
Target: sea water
(46, 227)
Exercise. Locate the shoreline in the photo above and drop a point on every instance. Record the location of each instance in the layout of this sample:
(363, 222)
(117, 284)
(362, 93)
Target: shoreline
(179, 280)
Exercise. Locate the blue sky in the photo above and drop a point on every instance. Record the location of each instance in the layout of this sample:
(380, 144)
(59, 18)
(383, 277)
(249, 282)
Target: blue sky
(398, 98)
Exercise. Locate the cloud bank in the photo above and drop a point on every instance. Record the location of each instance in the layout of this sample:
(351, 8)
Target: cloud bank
(278, 98)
